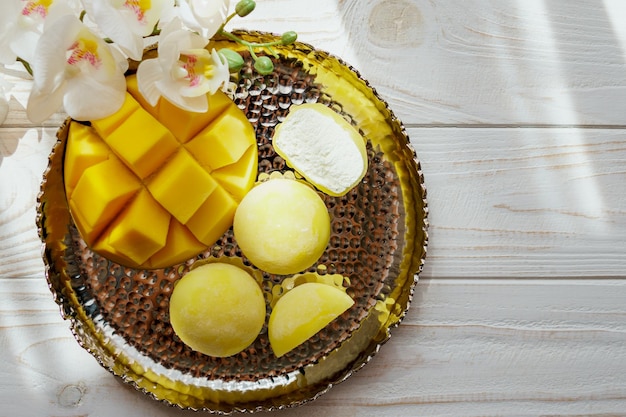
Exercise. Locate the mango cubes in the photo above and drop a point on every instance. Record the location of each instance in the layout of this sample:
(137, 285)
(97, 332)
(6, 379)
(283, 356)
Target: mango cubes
(302, 312)
(150, 187)
(217, 309)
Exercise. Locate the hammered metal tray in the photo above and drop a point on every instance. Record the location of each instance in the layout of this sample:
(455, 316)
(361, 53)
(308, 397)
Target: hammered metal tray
(376, 250)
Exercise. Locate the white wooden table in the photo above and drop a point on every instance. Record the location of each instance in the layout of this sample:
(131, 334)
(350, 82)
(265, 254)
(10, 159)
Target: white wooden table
(517, 110)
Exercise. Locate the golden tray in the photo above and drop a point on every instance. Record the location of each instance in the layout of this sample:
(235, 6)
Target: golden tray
(377, 248)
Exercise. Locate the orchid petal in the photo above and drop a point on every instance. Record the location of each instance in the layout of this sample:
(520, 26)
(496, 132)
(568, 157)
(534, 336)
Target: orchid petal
(213, 74)
(210, 14)
(9, 12)
(42, 105)
(222, 74)
(187, 16)
(23, 22)
(50, 61)
(128, 22)
(118, 29)
(170, 91)
(149, 73)
(104, 98)
(25, 45)
(71, 61)
(4, 109)
(175, 39)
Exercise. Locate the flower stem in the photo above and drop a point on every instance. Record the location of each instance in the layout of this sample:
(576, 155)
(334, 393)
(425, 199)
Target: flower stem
(228, 19)
(247, 44)
(26, 65)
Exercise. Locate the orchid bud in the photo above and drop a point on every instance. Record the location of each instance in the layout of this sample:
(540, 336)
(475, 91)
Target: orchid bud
(233, 59)
(245, 7)
(264, 65)
(289, 37)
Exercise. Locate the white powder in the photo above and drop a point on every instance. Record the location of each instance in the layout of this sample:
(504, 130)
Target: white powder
(321, 150)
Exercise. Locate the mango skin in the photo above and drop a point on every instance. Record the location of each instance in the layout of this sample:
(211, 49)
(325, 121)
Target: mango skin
(150, 187)
(282, 226)
(217, 309)
(302, 312)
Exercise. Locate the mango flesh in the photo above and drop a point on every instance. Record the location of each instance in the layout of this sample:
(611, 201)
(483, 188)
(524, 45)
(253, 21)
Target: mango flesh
(217, 309)
(302, 312)
(150, 187)
(282, 226)
(323, 147)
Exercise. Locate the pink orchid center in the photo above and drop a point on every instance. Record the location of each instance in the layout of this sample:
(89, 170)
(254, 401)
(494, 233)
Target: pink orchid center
(196, 66)
(36, 8)
(84, 51)
(138, 7)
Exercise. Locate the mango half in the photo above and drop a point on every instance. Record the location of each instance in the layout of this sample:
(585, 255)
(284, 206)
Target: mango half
(150, 187)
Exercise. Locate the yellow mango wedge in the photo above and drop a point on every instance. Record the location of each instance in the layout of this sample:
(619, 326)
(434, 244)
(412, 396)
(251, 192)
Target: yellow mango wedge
(302, 312)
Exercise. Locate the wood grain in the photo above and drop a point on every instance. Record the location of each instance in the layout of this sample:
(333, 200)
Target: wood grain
(465, 348)
(516, 203)
(517, 111)
(524, 203)
(23, 158)
(478, 62)
(508, 62)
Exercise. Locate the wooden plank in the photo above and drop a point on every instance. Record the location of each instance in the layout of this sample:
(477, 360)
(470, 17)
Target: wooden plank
(513, 203)
(23, 159)
(524, 202)
(457, 62)
(508, 62)
(466, 347)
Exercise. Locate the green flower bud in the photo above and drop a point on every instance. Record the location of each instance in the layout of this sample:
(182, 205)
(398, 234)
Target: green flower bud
(234, 60)
(264, 65)
(245, 7)
(289, 37)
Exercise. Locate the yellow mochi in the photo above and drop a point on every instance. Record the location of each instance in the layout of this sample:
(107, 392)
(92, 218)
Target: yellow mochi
(323, 147)
(149, 187)
(282, 226)
(217, 309)
(302, 312)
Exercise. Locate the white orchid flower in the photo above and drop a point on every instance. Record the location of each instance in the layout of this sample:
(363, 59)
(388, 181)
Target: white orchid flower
(5, 88)
(203, 16)
(127, 22)
(75, 68)
(184, 71)
(23, 21)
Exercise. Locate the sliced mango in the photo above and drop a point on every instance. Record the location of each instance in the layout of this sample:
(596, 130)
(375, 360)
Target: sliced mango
(181, 186)
(138, 183)
(129, 237)
(302, 312)
(222, 152)
(183, 125)
(96, 203)
(142, 156)
(87, 150)
(220, 207)
(238, 178)
(181, 244)
(109, 124)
